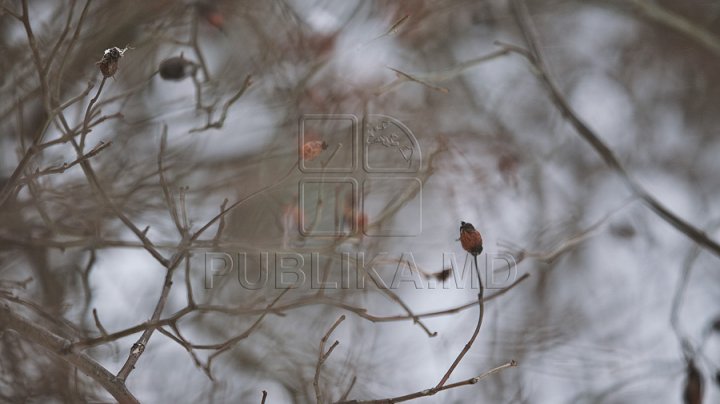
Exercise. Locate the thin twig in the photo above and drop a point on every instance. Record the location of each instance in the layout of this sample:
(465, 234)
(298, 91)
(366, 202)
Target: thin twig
(188, 284)
(226, 107)
(221, 225)
(88, 111)
(98, 324)
(231, 342)
(167, 193)
(139, 347)
(57, 345)
(278, 310)
(435, 390)
(239, 202)
(65, 166)
(469, 344)
(677, 22)
(540, 71)
(322, 357)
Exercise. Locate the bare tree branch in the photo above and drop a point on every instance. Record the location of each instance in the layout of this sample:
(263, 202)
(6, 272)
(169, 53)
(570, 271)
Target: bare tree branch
(57, 345)
(594, 140)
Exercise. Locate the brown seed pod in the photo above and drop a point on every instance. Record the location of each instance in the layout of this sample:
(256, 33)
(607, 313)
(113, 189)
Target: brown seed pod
(109, 63)
(312, 149)
(470, 239)
(176, 68)
(443, 275)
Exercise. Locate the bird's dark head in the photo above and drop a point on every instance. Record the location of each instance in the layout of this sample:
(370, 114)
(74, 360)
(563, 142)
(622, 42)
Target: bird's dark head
(466, 226)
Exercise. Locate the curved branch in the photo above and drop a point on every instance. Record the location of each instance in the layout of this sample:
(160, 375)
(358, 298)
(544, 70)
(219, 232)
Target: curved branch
(535, 58)
(29, 331)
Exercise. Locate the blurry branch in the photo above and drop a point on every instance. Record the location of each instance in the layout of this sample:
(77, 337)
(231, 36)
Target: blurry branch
(221, 225)
(61, 37)
(98, 324)
(85, 279)
(264, 397)
(4, 283)
(538, 67)
(35, 51)
(7, 190)
(88, 114)
(410, 191)
(428, 78)
(319, 205)
(177, 337)
(693, 391)
(195, 44)
(139, 347)
(407, 76)
(457, 309)
(434, 390)
(225, 210)
(104, 198)
(394, 28)
(167, 193)
(322, 357)
(188, 284)
(551, 255)
(35, 193)
(279, 310)
(29, 331)
(688, 264)
(65, 166)
(75, 131)
(77, 98)
(71, 45)
(186, 223)
(349, 389)
(674, 21)
(68, 328)
(378, 282)
(226, 107)
(222, 347)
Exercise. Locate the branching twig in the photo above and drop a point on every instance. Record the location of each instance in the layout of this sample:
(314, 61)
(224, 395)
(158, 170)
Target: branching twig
(322, 357)
(226, 107)
(65, 166)
(434, 390)
(540, 71)
(32, 332)
(139, 347)
(680, 24)
(297, 304)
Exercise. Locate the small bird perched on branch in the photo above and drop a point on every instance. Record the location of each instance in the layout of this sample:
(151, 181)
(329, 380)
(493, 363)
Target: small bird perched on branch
(470, 239)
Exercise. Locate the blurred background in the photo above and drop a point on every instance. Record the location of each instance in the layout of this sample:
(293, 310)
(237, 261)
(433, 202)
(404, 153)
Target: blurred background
(270, 106)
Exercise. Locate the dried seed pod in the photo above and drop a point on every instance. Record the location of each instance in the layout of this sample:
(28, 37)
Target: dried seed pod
(109, 63)
(443, 275)
(176, 68)
(312, 149)
(470, 239)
